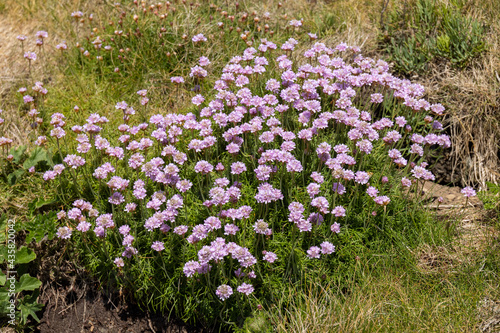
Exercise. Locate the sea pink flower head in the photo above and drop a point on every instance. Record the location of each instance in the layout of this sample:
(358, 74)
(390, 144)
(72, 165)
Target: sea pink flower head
(245, 288)
(468, 192)
(119, 262)
(158, 246)
(224, 292)
(31, 56)
(199, 38)
(64, 233)
(314, 252)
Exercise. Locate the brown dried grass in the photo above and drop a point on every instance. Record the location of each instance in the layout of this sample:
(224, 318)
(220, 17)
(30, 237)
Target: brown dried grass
(472, 97)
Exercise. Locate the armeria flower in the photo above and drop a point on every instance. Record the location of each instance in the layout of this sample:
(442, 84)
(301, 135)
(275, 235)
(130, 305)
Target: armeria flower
(181, 230)
(177, 79)
(321, 204)
(128, 240)
(339, 211)
(224, 292)
(57, 132)
(83, 226)
(295, 23)
(382, 200)
(372, 191)
(116, 198)
(314, 252)
(245, 288)
(266, 193)
(129, 252)
(238, 168)
(269, 256)
(468, 192)
(124, 229)
(74, 161)
(190, 268)
(317, 177)
(49, 175)
(231, 229)
(31, 56)
(41, 34)
(198, 100)
(158, 246)
(327, 248)
(64, 233)
(119, 262)
(199, 38)
(183, 185)
(203, 167)
(362, 177)
(312, 36)
(377, 98)
(313, 189)
(335, 227)
(261, 227)
(405, 182)
(204, 61)
(62, 46)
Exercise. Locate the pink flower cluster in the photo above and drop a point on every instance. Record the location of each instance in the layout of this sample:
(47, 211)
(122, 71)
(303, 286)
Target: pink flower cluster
(258, 140)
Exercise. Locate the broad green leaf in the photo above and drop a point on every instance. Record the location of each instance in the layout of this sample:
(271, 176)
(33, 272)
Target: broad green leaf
(40, 226)
(38, 155)
(28, 306)
(13, 177)
(39, 203)
(27, 282)
(18, 153)
(3, 278)
(24, 255)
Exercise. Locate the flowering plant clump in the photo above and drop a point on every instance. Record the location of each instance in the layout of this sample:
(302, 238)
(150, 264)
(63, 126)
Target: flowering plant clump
(288, 152)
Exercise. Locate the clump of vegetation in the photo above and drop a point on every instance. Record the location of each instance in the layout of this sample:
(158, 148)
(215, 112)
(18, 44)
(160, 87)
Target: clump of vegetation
(425, 31)
(208, 159)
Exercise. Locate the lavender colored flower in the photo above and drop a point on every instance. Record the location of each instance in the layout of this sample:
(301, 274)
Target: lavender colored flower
(83, 226)
(238, 168)
(203, 167)
(224, 292)
(339, 211)
(314, 252)
(124, 229)
(405, 182)
(245, 288)
(64, 233)
(468, 192)
(231, 229)
(158, 246)
(335, 227)
(382, 200)
(130, 207)
(269, 256)
(181, 230)
(119, 262)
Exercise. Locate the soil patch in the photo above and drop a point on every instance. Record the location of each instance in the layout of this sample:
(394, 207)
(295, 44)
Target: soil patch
(75, 302)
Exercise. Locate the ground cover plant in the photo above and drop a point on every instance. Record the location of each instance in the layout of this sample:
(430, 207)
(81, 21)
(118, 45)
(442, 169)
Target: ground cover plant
(281, 162)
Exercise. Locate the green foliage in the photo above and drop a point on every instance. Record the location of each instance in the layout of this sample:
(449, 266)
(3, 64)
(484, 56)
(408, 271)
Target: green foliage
(491, 197)
(16, 169)
(24, 292)
(41, 225)
(425, 31)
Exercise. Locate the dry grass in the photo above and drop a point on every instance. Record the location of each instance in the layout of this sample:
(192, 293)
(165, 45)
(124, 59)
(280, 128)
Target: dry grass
(473, 101)
(385, 303)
